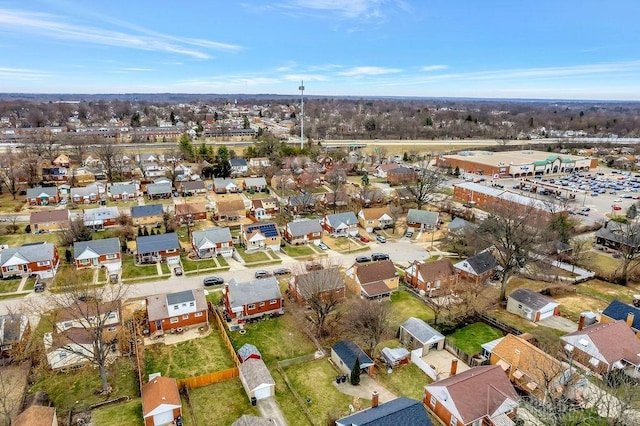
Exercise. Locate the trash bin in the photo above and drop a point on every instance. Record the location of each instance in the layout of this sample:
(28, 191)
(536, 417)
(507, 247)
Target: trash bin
(338, 379)
(254, 401)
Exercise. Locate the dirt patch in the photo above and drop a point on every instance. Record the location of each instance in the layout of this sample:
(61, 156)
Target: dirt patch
(13, 387)
(572, 305)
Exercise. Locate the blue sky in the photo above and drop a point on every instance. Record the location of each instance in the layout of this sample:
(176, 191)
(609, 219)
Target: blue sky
(566, 49)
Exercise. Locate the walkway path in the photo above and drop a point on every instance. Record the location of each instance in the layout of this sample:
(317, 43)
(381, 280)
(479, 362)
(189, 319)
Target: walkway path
(270, 409)
(365, 389)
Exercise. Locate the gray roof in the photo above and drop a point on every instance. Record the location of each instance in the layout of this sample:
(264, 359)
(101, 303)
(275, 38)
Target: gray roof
(212, 235)
(237, 162)
(123, 188)
(85, 191)
(50, 191)
(255, 373)
(482, 262)
(422, 216)
(241, 294)
(395, 354)
(223, 182)
(12, 327)
(153, 243)
(146, 210)
(106, 246)
(458, 224)
(158, 305)
(337, 219)
(193, 185)
(620, 233)
(421, 330)
(532, 299)
(348, 352)
(303, 227)
(159, 188)
(247, 350)
(34, 252)
(397, 412)
(258, 181)
(100, 213)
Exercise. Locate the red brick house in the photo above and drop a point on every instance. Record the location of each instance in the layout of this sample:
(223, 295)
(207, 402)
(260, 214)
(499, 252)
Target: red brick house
(161, 403)
(401, 175)
(326, 283)
(159, 247)
(435, 278)
(98, 253)
(478, 268)
(302, 231)
(85, 195)
(173, 311)
(253, 299)
(188, 212)
(36, 258)
(40, 196)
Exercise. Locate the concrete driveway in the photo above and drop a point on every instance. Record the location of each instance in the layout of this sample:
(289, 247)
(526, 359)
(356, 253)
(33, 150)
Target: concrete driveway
(441, 363)
(559, 323)
(270, 409)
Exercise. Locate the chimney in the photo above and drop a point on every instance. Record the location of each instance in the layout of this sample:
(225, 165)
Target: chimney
(630, 318)
(514, 364)
(374, 399)
(454, 367)
(581, 322)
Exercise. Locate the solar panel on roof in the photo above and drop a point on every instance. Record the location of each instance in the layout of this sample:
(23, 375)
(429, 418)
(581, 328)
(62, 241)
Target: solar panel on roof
(267, 229)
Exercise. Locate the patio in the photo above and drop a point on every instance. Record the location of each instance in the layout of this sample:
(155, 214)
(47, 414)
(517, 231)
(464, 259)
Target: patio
(441, 363)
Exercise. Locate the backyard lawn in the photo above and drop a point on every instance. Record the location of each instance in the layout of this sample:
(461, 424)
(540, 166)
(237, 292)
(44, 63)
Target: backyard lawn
(405, 305)
(405, 380)
(470, 337)
(225, 402)
(607, 291)
(602, 263)
(16, 240)
(128, 413)
(252, 257)
(130, 270)
(9, 286)
(188, 359)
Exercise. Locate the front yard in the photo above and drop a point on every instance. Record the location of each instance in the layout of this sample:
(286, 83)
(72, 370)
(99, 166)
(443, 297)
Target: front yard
(67, 274)
(298, 251)
(254, 256)
(9, 286)
(131, 270)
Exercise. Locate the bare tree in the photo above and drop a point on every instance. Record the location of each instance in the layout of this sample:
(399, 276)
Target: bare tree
(425, 188)
(335, 180)
(627, 236)
(77, 231)
(513, 231)
(79, 148)
(10, 173)
(31, 159)
(111, 157)
(368, 322)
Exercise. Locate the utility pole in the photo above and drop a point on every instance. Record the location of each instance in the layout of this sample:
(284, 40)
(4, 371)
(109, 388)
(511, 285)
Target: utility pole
(301, 89)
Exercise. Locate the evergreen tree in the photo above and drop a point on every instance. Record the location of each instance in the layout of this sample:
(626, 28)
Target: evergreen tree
(68, 256)
(632, 212)
(456, 172)
(140, 233)
(186, 147)
(365, 179)
(355, 373)
(146, 232)
(222, 166)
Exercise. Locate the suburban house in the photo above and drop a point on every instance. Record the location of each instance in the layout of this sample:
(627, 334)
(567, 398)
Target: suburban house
(338, 199)
(308, 179)
(43, 196)
(98, 253)
(254, 184)
(239, 166)
(401, 176)
(100, 218)
(283, 181)
(85, 195)
(435, 278)
(157, 248)
(62, 160)
(123, 191)
(340, 224)
(248, 351)
(259, 162)
(224, 185)
(478, 268)
(49, 220)
(256, 379)
(382, 171)
(528, 367)
(193, 187)
(252, 299)
(325, 284)
(55, 174)
(479, 396)
(179, 311)
(373, 280)
(301, 204)
(149, 214)
(14, 334)
(161, 404)
(73, 332)
(190, 212)
(416, 334)
(618, 236)
(212, 242)
(302, 231)
(621, 311)
(375, 218)
(36, 415)
(458, 226)
(264, 208)
(34, 258)
(259, 235)
(422, 219)
(159, 190)
(82, 176)
(232, 210)
(399, 411)
(604, 347)
(344, 355)
(532, 305)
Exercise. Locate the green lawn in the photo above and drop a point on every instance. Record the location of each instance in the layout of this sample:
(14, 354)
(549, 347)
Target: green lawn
(252, 257)
(607, 291)
(194, 265)
(224, 401)
(130, 270)
(188, 359)
(165, 268)
(602, 263)
(128, 413)
(276, 338)
(405, 380)
(316, 380)
(222, 261)
(31, 282)
(405, 305)
(13, 295)
(287, 401)
(470, 338)
(16, 240)
(68, 274)
(9, 286)
(298, 251)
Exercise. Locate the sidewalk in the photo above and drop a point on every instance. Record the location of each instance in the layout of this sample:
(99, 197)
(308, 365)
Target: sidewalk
(365, 389)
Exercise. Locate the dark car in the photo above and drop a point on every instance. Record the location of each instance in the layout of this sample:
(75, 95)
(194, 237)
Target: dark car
(380, 256)
(282, 271)
(212, 281)
(263, 274)
(313, 266)
(363, 259)
(409, 234)
(39, 287)
(177, 270)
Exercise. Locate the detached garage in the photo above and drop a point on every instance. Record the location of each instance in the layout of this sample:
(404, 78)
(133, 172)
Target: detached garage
(532, 305)
(417, 334)
(256, 379)
(160, 401)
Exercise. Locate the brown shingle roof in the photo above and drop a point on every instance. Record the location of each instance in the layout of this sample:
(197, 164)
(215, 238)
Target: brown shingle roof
(36, 415)
(230, 205)
(49, 216)
(375, 213)
(614, 340)
(440, 269)
(80, 310)
(376, 288)
(190, 208)
(375, 271)
(160, 390)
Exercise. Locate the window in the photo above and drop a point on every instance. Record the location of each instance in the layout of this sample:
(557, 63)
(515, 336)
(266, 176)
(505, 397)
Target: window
(173, 320)
(519, 305)
(185, 317)
(261, 304)
(197, 314)
(63, 355)
(273, 301)
(432, 401)
(68, 324)
(112, 256)
(477, 423)
(453, 421)
(111, 329)
(112, 315)
(171, 250)
(251, 306)
(175, 307)
(43, 263)
(192, 304)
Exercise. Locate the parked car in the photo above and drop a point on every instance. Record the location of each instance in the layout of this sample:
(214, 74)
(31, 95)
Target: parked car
(364, 239)
(616, 207)
(39, 287)
(323, 246)
(381, 239)
(380, 256)
(409, 234)
(282, 271)
(212, 281)
(363, 259)
(313, 266)
(177, 270)
(263, 274)
(113, 278)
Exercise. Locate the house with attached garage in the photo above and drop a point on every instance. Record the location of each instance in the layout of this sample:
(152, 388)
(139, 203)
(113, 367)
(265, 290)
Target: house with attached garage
(478, 268)
(43, 196)
(239, 166)
(264, 208)
(161, 403)
(98, 253)
(225, 186)
(254, 184)
(256, 379)
(149, 214)
(397, 412)
(416, 334)
(302, 231)
(373, 280)
(252, 299)
(193, 187)
(532, 305)
(36, 258)
(344, 355)
(100, 218)
(49, 221)
(435, 278)
(422, 219)
(259, 235)
(157, 248)
(123, 191)
(85, 195)
(479, 396)
(212, 242)
(375, 218)
(159, 190)
(179, 311)
(340, 224)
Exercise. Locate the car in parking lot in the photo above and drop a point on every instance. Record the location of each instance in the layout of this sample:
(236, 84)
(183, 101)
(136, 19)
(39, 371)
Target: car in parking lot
(282, 271)
(381, 239)
(363, 259)
(616, 207)
(379, 256)
(177, 270)
(364, 239)
(263, 274)
(213, 281)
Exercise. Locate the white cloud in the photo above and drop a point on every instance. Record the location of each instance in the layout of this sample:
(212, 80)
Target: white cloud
(372, 10)
(429, 68)
(305, 77)
(368, 71)
(22, 74)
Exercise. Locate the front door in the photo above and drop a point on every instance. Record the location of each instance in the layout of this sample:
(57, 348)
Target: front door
(95, 261)
(158, 325)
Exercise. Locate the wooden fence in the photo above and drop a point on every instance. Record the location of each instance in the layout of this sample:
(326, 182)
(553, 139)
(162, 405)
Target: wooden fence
(209, 378)
(223, 332)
